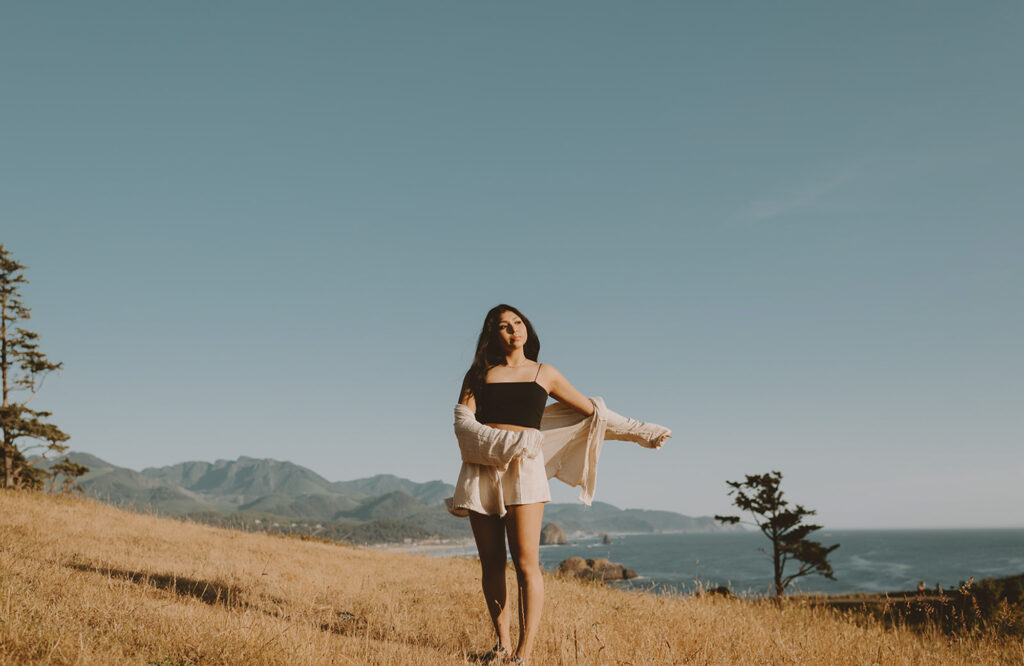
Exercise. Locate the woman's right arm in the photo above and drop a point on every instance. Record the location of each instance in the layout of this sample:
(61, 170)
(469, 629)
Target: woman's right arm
(466, 398)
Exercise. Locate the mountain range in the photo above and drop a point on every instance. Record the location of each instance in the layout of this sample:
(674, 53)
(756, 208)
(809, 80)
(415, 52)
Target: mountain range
(261, 494)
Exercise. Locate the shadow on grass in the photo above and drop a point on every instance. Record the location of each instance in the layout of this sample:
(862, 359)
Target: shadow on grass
(234, 597)
(217, 594)
(214, 594)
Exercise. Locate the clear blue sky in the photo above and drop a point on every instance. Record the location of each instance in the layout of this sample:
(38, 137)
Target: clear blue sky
(791, 232)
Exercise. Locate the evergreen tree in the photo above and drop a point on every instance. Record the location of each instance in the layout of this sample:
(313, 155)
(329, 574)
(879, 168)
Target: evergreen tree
(23, 369)
(761, 497)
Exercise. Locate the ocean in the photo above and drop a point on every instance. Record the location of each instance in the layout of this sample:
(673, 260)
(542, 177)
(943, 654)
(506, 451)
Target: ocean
(866, 560)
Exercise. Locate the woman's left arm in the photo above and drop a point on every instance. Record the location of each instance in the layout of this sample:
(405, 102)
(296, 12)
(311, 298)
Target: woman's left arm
(564, 392)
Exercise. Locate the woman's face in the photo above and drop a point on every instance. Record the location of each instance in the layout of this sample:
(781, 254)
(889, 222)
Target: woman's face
(511, 331)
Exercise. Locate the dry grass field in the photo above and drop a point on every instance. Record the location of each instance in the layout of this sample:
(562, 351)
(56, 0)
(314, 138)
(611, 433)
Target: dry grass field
(84, 583)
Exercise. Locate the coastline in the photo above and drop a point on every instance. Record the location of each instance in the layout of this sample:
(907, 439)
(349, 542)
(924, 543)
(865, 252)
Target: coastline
(877, 603)
(455, 547)
(868, 563)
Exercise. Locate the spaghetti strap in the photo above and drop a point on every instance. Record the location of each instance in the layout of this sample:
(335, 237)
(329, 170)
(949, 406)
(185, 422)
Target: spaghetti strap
(538, 371)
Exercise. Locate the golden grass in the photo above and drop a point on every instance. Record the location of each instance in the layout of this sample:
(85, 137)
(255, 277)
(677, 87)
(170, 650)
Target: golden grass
(84, 583)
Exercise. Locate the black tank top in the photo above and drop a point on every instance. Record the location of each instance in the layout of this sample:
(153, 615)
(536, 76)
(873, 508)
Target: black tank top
(512, 403)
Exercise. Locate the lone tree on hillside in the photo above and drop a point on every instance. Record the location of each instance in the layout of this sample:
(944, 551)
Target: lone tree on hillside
(760, 495)
(23, 368)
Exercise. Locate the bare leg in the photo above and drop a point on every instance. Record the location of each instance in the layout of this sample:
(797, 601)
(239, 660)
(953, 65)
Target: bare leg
(489, 533)
(522, 522)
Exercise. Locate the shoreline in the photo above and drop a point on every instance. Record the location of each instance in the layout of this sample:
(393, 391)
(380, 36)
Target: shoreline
(868, 592)
(839, 599)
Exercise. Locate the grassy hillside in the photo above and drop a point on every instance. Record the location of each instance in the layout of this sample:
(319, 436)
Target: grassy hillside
(86, 583)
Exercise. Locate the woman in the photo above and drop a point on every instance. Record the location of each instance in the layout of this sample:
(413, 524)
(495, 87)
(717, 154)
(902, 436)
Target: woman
(503, 482)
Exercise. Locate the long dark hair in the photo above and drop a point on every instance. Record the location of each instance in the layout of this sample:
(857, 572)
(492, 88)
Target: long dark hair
(489, 351)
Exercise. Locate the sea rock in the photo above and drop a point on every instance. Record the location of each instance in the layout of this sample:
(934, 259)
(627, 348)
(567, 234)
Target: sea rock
(607, 570)
(573, 566)
(552, 534)
(605, 538)
(596, 569)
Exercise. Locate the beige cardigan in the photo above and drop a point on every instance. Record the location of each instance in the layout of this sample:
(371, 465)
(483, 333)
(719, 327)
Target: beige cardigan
(569, 441)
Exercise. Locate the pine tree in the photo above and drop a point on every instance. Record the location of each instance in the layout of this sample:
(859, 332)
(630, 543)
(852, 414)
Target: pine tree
(784, 527)
(24, 368)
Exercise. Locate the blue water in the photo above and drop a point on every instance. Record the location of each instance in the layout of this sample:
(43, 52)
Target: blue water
(866, 560)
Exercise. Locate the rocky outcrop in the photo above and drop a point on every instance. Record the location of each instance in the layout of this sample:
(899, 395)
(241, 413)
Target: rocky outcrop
(596, 569)
(605, 539)
(574, 566)
(552, 535)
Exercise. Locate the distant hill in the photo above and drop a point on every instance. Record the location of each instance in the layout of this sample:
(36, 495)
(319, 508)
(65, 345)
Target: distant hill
(256, 493)
(248, 479)
(317, 506)
(603, 517)
(431, 492)
(264, 493)
(125, 487)
(392, 505)
(243, 480)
